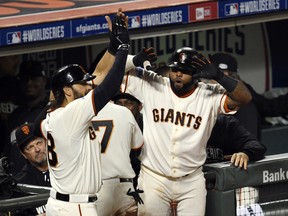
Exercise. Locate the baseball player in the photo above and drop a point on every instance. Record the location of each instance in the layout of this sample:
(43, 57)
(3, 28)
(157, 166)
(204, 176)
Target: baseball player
(118, 133)
(135, 106)
(178, 115)
(73, 148)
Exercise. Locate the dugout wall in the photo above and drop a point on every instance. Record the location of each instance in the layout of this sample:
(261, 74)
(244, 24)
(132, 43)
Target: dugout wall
(260, 190)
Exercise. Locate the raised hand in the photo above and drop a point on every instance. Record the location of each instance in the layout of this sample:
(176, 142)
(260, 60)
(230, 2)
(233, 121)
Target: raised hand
(118, 32)
(145, 55)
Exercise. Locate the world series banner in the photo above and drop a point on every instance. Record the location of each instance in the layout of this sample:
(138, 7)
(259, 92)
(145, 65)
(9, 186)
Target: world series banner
(90, 26)
(138, 19)
(259, 48)
(234, 8)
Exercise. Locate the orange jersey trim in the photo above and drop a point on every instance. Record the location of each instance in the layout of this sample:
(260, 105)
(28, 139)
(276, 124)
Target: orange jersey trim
(93, 103)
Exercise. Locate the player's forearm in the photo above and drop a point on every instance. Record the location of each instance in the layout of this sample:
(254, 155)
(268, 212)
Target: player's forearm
(240, 94)
(111, 84)
(103, 67)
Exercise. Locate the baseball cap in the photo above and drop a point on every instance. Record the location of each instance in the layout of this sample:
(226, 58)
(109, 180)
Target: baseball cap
(24, 135)
(225, 61)
(124, 95)
(31, 69)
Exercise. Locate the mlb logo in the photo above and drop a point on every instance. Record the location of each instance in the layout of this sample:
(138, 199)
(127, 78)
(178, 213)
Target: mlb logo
(13, 37)
(231, 9)
(135, 21)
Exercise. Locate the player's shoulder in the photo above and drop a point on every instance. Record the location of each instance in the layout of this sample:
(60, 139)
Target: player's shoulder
(122, 109)
(55, 113)
(114, 110)
(112, 106)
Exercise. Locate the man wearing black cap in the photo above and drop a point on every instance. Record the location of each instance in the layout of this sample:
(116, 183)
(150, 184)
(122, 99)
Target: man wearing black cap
(248, 114)
(32, 98)
(33, 149)
(35, 171)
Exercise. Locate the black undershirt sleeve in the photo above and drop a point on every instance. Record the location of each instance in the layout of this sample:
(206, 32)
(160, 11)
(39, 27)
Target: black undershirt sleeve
(102, 93)
(111, 84)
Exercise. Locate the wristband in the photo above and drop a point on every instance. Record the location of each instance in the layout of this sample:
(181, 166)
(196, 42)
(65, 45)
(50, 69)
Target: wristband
(228, 82)
(111, 51)
(123, 47)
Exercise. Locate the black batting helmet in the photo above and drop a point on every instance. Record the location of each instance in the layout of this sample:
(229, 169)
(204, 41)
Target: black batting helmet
(182, 60)
(68, 75)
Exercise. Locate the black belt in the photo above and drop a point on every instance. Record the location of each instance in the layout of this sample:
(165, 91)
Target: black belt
(126, 180)
(66, 197)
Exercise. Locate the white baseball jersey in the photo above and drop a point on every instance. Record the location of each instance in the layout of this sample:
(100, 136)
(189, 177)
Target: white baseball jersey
(118, 132)
(73, 150)
(176, 129)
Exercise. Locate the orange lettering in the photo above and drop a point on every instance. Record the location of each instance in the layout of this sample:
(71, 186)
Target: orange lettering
(40, 4)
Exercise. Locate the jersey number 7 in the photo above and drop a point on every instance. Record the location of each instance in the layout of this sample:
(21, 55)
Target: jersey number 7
(108, 124)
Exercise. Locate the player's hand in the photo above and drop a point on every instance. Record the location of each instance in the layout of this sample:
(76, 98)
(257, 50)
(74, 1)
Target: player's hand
(210, 72)
(240, 159)
(136, 195)
(146, 54)
(206, 69)
(118, 32)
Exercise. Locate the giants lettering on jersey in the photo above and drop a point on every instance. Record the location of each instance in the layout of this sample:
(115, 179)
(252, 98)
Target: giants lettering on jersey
(176, 117)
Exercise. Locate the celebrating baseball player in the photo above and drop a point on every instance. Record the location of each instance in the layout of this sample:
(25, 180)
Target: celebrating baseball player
(73, 149)
(119, 133)
(179, 113)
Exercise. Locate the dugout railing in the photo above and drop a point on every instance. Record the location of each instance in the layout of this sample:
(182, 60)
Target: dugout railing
(32, 196)
(262, 189)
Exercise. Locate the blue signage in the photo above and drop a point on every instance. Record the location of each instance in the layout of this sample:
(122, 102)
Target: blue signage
(35, 33)
(90, 26)
(234, 8)
(137, 20)
(159, 17)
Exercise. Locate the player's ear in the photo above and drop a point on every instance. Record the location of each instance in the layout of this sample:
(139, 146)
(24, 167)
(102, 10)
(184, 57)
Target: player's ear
(67, 90)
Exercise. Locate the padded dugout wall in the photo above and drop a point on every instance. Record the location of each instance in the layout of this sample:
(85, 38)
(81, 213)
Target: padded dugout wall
(264, 183)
